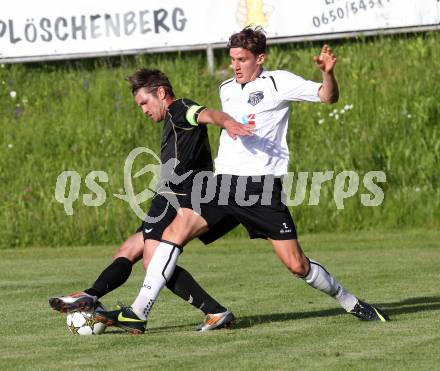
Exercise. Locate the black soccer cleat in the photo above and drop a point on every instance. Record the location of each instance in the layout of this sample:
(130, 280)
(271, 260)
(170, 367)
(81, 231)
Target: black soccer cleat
(367, 312)
(78, 301)
(123, 318)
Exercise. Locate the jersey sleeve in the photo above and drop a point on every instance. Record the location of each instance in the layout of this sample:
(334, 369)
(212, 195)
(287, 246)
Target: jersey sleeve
(221, 89)
(294, 88)
(186, 112)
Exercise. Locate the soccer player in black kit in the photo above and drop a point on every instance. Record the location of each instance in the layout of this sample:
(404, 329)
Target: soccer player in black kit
(185, 151)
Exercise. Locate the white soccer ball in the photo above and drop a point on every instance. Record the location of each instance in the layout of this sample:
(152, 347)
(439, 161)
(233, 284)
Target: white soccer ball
(85, 323)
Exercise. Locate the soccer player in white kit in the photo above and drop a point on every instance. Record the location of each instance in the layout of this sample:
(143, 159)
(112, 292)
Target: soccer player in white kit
(253, 165)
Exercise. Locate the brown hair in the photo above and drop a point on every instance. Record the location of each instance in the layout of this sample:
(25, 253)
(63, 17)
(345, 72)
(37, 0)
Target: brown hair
(252, 39)
(151, 80)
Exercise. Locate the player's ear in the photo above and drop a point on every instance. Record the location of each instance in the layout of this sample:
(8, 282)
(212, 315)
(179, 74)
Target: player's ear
(261, 58)
(161, 93)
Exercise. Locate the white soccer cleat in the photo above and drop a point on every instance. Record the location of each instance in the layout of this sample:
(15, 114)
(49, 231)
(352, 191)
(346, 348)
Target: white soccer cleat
(217, 321)
(78, 301)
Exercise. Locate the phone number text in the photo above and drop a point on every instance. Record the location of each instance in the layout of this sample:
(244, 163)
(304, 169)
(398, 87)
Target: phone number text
(345, 11)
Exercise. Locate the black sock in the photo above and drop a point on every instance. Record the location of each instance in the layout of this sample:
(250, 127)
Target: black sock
(185, 286)
(111, 277)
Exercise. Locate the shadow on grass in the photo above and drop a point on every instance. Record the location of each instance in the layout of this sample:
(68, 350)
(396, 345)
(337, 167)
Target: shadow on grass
(249, 321)
(152, 330)
(411, 305)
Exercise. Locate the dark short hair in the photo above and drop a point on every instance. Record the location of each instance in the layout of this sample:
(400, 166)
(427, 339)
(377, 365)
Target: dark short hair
(151, 80)
(252, 39)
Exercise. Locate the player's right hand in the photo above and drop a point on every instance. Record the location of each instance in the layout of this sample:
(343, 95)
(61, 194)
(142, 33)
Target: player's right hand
(326, 60)
(234, 129)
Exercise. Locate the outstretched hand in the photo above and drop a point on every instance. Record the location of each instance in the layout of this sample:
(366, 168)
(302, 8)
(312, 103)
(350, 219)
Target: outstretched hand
(234, 129)
(326, 61)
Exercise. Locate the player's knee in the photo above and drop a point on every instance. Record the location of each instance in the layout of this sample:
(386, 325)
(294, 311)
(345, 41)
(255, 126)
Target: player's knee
(175, 232)
(298, 267)
(181, 229)
(129, 251)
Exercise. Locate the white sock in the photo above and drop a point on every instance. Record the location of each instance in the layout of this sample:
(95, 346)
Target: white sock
(159, 271)
(346, 299)
(322, 280)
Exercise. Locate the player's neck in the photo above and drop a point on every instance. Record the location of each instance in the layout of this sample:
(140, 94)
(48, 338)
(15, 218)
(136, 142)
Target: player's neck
(256, 73)
(168, 101)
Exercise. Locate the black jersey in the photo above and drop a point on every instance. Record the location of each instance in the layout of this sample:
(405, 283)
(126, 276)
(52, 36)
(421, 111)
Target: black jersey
(185, 141)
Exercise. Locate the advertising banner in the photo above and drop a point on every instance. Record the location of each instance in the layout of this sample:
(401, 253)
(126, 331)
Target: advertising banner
(49, 29)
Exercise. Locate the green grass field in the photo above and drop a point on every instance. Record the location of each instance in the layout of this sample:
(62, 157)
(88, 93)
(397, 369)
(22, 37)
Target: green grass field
(282, 323)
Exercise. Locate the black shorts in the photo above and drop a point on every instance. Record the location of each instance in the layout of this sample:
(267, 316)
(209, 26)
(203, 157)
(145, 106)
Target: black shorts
(162, 213)
(267, 217)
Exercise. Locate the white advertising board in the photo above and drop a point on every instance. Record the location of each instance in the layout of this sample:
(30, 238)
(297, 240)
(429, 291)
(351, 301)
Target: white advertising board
(49, 29)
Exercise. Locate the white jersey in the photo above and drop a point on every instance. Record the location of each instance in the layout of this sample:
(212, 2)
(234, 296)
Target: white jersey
(263, 103)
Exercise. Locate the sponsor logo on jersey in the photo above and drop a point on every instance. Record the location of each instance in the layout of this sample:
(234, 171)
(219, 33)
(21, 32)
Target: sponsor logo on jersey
(255, 97)
(248, 119)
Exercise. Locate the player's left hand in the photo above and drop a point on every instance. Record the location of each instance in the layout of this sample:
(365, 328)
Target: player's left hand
(327, 60)
(234, 129)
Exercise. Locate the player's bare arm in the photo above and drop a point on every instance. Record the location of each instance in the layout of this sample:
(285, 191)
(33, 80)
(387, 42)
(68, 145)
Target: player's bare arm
(233, 128)
(326, 62)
